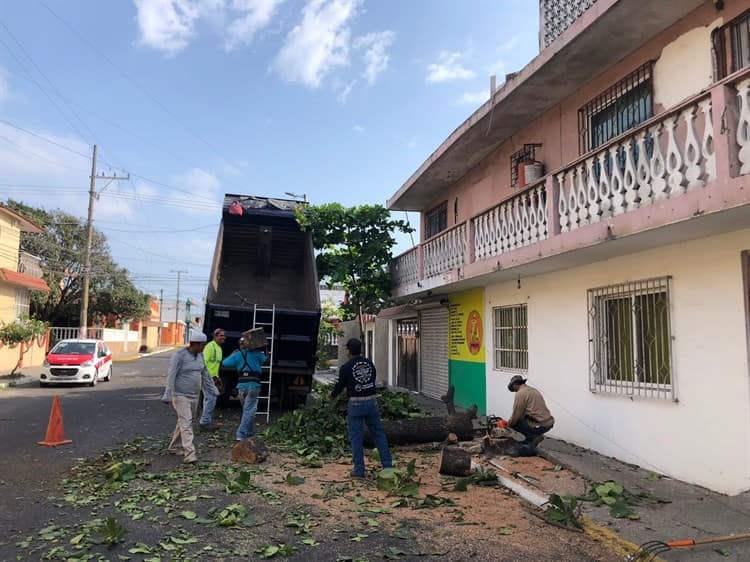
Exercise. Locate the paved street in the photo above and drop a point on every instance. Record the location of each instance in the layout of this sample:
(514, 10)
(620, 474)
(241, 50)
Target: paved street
(55, 499)
(95, 418)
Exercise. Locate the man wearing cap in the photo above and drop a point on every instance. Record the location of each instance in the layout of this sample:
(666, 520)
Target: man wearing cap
(186, 377)
(358, 377)
(212, 355)
(530, 414)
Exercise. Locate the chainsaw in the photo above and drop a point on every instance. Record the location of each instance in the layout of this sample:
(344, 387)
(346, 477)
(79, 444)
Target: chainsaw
(498, 428)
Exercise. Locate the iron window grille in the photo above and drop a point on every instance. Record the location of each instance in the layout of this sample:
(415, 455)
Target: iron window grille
(511, 342)
(621, 107)
(526, 154)
(630, 339)
(23, 303)
(731, 46)
(436, 220)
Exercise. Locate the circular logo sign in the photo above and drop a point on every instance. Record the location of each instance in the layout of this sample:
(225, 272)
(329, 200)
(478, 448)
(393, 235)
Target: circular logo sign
(474, 332)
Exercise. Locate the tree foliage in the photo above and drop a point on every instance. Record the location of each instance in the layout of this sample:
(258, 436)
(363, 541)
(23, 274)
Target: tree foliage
(354, 248)
(62, 249)
(22, 332)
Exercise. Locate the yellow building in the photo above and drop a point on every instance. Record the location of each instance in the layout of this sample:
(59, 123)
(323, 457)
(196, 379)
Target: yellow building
(20, 273)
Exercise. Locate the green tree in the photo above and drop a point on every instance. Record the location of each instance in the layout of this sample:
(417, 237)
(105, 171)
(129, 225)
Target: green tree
(354, 248)
(328, 311)
(22, 333)
(62, 248)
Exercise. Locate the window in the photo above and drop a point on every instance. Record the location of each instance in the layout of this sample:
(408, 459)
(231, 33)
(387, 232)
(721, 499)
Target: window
(630, 341)
(511, 344)
(23, 303)
(623, 106)
(518, 158)
(731, 46)
(436, 220)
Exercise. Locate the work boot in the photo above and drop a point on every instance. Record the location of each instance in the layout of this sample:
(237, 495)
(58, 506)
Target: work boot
(208, 427)
(178, 452)
(358, 475)
(190, 459)
(535, 442)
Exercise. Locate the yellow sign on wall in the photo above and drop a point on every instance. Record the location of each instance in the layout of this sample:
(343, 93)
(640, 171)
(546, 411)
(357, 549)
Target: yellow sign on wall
(465, 326)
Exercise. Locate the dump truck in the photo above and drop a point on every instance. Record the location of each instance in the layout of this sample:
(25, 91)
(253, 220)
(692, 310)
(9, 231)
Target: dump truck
(264, 275)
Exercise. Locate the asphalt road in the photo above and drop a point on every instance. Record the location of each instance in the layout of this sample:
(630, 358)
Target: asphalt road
(95, 419)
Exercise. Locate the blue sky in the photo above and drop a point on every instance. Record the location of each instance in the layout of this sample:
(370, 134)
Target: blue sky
(338, 99)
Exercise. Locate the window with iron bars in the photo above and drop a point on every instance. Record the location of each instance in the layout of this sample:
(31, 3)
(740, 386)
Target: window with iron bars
(511, 342)
(23, 303)
(436, 220)
(518, 158)
(731, 46)
(621, 107)
(630, 339)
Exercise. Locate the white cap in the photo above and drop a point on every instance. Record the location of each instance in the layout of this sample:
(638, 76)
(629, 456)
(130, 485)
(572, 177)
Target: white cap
(197, 337)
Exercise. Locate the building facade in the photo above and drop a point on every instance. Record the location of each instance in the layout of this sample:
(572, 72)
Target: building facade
(589, 228)
(20, 274)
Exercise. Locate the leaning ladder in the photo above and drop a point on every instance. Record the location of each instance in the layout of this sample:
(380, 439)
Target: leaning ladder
(264, 399)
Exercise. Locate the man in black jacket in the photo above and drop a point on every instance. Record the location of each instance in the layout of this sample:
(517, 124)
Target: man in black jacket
(358, 377)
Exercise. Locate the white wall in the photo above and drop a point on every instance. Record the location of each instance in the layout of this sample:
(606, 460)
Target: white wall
(704, 438)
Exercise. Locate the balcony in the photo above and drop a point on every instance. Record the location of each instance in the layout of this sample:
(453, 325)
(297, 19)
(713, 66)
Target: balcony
(30, 265)
(675, 177)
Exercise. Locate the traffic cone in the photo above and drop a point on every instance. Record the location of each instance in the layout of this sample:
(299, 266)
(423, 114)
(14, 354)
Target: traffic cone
(55, 431)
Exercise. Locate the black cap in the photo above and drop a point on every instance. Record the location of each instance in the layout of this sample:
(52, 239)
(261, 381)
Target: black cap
(515, 379)
(354, 346)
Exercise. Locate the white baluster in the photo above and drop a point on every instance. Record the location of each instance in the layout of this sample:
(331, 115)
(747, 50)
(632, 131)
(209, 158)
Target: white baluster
(517, 222)
(583, 208)
(657, 165)
(542, 211)
(707, 145)
(562, 203)
(628, 176)
(643, 171)
(616, 183)
(592, 192)
(674, 159)
(491, 234)
(505, 228)
(497, 225)
(692, 151)
(572, 199)
(533, 217)
(743, 126)
(478, 247)
(524, 212)
(605, 205)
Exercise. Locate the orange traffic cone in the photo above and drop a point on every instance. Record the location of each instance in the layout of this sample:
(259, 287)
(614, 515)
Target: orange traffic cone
(55, 432)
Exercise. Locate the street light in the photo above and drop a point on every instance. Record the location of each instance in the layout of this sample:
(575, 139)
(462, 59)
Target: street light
(297, 196)
(188, 304)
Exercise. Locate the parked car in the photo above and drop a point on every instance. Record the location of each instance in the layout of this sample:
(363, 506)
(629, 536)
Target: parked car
(76, 362)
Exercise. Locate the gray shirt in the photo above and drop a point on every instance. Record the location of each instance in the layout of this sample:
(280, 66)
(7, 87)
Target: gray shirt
(187, 375)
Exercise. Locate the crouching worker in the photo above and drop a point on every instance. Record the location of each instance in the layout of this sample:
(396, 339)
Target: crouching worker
(531, 417)
(358, 377)
(187, 375)
(248, 363)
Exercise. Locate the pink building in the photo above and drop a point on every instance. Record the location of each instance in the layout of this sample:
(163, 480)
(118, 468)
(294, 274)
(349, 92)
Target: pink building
(589, 228)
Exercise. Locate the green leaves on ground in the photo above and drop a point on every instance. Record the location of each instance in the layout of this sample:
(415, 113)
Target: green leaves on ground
(565, 511)
(111, 532)
(235, 515)
(272, 550)
(123, 471)
(619, 500)
(240, 483)
(399, 482)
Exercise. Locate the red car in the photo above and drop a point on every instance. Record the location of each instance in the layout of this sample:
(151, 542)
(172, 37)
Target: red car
(76, 362)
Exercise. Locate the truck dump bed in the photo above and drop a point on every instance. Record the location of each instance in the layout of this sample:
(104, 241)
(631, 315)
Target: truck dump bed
(263, 259)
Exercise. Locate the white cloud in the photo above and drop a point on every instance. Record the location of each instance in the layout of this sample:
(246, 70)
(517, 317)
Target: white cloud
(4, 86)
(319, 44)
(474, 98)
(344, 90)
(198, 182)
(358, 129)
(376, 56)
(167, 25)
(257, 14)
(448, 67)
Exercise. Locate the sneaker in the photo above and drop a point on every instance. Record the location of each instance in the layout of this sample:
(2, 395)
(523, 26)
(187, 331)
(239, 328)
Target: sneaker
(190, 460)
(208, 427)
(178, 452)
(355, 474)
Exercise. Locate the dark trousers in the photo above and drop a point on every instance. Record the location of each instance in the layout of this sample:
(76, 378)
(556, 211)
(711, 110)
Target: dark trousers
(529, 428)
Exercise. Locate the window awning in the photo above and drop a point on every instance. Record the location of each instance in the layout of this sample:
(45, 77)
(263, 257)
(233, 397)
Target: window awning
(22, 280)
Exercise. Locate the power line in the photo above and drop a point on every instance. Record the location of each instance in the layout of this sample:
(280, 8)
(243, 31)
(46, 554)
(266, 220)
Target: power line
(45, 139)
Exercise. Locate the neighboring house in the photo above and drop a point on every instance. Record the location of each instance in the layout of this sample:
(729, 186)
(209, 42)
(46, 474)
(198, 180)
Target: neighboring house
(20, 274)
(589, 228)
(149, 328)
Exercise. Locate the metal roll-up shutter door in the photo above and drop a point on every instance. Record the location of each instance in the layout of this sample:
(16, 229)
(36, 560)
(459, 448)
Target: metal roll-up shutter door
(433, 351)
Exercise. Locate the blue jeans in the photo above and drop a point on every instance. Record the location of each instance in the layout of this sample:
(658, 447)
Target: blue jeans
(529, 430)
(249, 396)
(209, 404)
(360, 413)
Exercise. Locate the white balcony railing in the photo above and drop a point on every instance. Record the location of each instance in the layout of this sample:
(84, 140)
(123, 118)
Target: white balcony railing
(30, 265)
(514, 223)
(660, 161)
(445, 252)
(405, 268)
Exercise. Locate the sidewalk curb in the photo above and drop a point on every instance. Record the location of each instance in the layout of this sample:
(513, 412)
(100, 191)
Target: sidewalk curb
(22, 381)
(141, 355)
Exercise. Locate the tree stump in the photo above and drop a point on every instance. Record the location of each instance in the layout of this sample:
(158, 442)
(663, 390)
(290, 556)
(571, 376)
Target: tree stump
(251, 451)
(455, 461)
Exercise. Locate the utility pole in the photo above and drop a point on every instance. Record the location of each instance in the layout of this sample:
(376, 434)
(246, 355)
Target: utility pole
(179, 272)
(83, 332)
(161, 308)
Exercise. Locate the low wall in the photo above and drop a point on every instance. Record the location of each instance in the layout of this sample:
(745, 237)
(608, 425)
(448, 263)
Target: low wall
(34, 353)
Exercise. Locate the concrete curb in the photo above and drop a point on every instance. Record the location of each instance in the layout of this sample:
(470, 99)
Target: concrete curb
(141, 355)
(21, 381)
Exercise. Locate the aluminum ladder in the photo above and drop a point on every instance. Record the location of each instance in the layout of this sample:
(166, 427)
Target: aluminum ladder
(264, 398)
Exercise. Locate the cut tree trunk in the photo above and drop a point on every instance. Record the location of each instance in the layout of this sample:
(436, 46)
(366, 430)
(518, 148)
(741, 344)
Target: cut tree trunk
(455, 461)
(251, 451)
